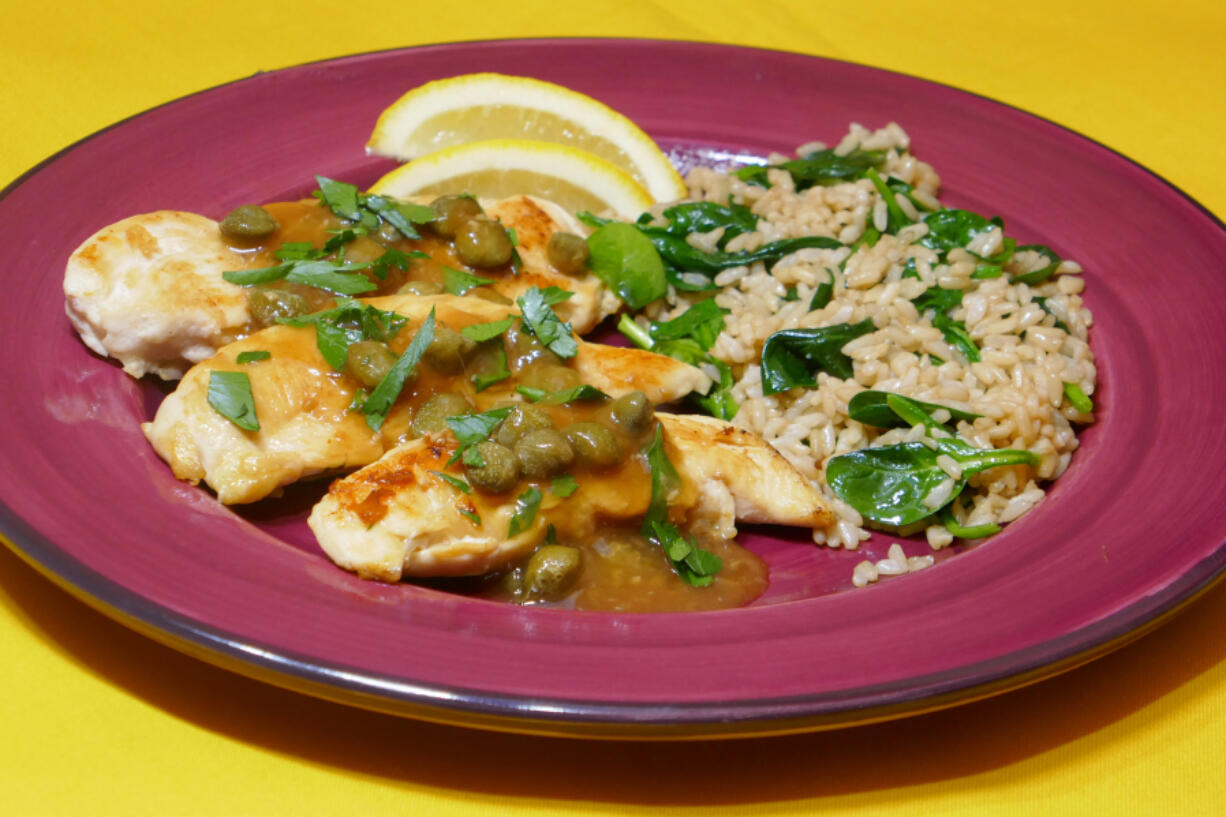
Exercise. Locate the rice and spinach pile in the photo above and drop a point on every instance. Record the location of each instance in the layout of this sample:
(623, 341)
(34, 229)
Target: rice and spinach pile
(925, 370)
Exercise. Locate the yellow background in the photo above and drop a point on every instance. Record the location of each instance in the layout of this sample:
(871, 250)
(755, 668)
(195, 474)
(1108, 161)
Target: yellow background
(95, 719)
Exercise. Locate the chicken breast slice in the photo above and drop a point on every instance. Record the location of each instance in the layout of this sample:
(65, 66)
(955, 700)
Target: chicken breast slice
(396, 518)
(306, 425)
(148, 292)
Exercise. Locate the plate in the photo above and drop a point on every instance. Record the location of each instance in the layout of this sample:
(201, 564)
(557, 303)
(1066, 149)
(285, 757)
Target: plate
(1132, 532)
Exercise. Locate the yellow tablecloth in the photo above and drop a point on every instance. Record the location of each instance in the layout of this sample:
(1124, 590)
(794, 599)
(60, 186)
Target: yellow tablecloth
(96, 719)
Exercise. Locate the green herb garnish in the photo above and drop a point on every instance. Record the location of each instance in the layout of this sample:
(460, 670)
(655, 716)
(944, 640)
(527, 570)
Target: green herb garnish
(381, 399)
(540, 320)
(230, 396)
(252, 355)
(563, 485)
(526, 505)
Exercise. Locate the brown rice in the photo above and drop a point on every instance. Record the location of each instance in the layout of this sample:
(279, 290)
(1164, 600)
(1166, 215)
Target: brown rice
(1017, 386)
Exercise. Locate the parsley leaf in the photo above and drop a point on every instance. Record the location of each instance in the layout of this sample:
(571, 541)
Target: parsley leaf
(455, 482)
(486, 331)
(458, 282)
(693, 564)
(563, 485)
(230, 396)
(330, 276)
(526, 505)
(584, 392)
(471, 516)
(540, 320)
(348, 322)
(494, 369)
(252, 355)
(471, 429)
(381, 399)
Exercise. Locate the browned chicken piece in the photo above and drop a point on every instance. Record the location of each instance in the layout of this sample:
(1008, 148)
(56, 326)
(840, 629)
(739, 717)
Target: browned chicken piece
(396, 518)
(148, 290)
(307, 426)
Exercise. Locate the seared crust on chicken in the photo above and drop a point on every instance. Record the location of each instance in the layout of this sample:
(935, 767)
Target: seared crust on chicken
(306, 425)
(148, 292)
(397, 518)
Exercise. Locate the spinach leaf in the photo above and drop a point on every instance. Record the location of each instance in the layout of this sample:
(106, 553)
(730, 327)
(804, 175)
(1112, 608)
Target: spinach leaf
(878, 408)
(821, 167)
(938, 299)
(1075, 395)
(951, 228)
(823, 294)
(626, 260)
(703, 322)
(718, 401)
(956, 336)
(230, 396)
(896, 219)
(893, 484)
(705, 216)
(956, 528)
(381, 399)
(1040, 275)
(792, 357)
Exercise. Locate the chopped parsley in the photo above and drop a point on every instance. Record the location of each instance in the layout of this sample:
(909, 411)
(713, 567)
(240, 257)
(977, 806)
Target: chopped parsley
(230, 396)
(526, 505)
(381, 399)
(252, 355)
(540, 320)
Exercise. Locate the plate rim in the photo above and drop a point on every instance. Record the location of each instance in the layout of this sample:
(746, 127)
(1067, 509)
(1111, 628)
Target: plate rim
(508, 712)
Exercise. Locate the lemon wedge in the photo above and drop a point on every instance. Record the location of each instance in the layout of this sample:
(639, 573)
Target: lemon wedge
(482, 107)
(499, 168)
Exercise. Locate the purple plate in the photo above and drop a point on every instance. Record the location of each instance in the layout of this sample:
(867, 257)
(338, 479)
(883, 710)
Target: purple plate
(1133, 531)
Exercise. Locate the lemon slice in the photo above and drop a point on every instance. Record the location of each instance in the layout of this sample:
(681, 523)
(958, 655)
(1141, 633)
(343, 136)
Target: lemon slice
(498, 168)
(480, 107)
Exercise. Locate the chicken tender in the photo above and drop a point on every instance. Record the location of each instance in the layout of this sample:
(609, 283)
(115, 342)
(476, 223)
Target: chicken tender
(397, 518)
(307, 425)
(148, 292)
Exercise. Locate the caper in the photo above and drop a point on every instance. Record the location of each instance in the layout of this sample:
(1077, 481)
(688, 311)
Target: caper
(386, 234)
(432, 415)
(447, 350)
(369, 361)
(250, 222)
(567, 252)
(551, 571)
(543, 453)
(500, 468)
(523, 418)
(266, 305)
(420, 288)
(482, 242)
(549, 377)
(525, 348)
(489, 294)
(632, 411)
(450, 213)
(594, 444)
